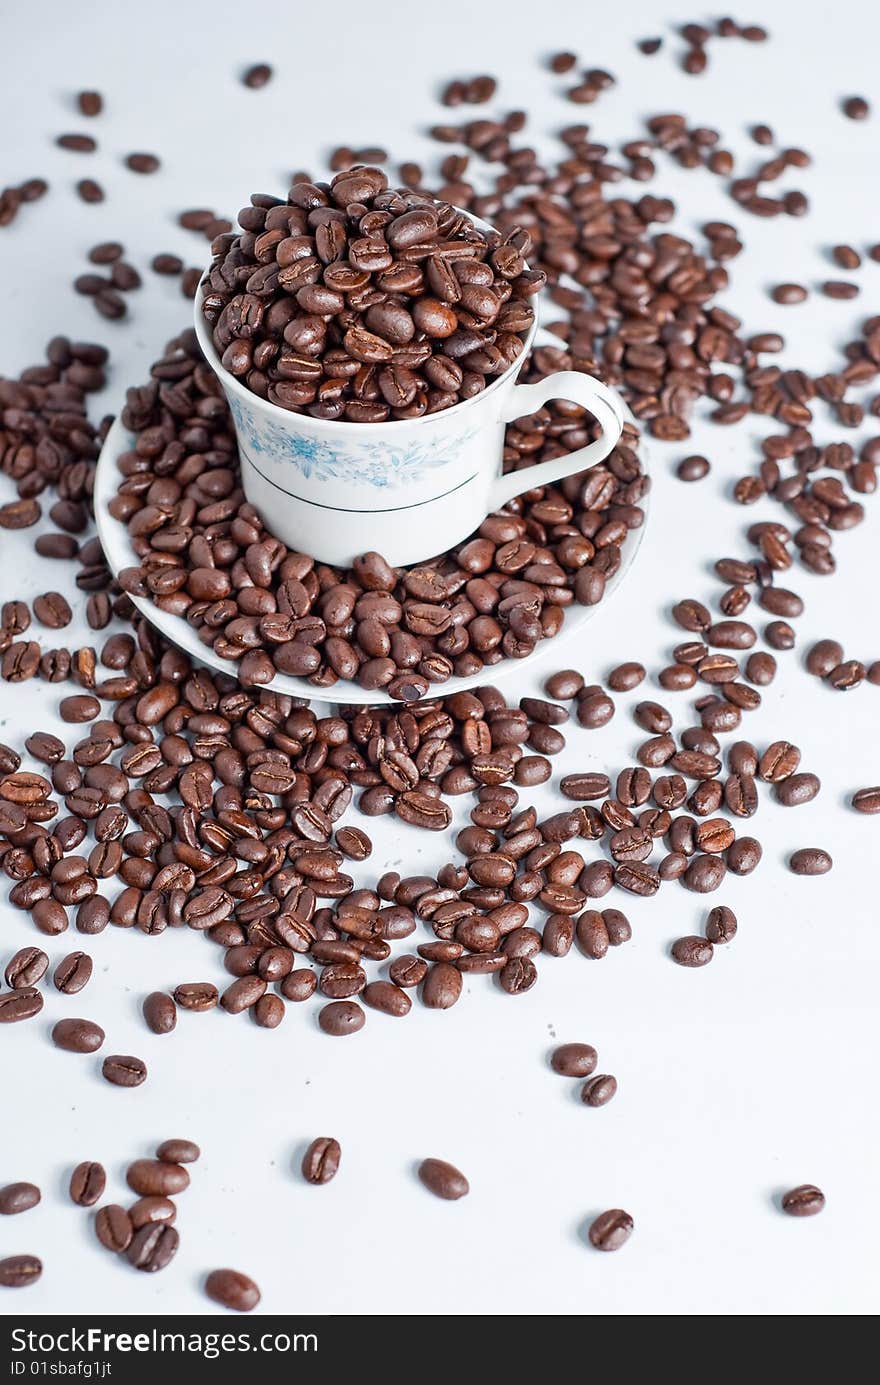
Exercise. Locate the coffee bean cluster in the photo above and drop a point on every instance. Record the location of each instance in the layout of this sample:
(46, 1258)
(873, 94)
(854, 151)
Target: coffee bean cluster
(145, 1232)
(826, 660)
(697, 37)
(355, 301)
(206, 556)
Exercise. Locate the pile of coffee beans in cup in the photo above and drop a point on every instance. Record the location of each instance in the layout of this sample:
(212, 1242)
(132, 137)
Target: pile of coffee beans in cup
(364, 303)
(205, 554)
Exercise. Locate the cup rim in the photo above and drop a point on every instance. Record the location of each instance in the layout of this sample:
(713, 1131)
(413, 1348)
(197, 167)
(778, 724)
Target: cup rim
(229, 381)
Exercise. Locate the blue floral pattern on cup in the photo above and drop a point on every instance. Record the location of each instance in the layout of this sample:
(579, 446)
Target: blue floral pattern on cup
(367, 463)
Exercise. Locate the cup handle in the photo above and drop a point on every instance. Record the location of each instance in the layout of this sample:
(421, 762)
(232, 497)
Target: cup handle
(601, 402)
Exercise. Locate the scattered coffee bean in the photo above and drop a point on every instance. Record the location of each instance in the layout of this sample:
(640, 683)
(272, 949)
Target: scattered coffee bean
(113, 1228)
(72, 973)
(611, 1229)
(124, 1070)
(257, 76)
(87, 1184)
(178, 1152)
(153, 1247)
(156, 1178)
(26, 968)
(856, 108)
(443, 1180)
(90, 103)
(18, 1197)
(720, 925)
(17, 1271)
(321, 1160)
(231, 1289)
(599, 1089)
(692, 951)
(866, 800)
(804, 1201)
(160, 1012)
(810, 860)
(77, 1036)
(574, 1060)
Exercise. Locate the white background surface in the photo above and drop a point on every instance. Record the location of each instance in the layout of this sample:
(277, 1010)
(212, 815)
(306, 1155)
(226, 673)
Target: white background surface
(735, 1082)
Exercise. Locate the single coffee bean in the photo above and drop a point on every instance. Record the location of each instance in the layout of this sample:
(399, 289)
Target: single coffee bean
(160, 1012)
(18, 1197)
(341, 1017)
(231, 1288)
(720, 925)
(866, 800)
(77, 1036)
(17, 1271)
(26, 968)
(611, 1229)
(443, 1180)
(21, 1004)
(72, 973)
(153, 1246)
(803, 1201)
(692, 951)
(321, 1160)
(574, 1060)
(599, 1089)
(178, 1152)
(113, 1228)
(156, 1178)
(810, 860)
(87, 1184)
(152, 1209)
(796, 789)
(122, 1070)
(257, 76)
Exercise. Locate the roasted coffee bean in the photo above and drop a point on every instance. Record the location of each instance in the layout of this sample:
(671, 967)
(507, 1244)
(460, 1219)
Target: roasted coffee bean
(692, 468)
(231, 1288)
(441, 988)
(574, 1060)
(148, 1210)
(341, 1017)
(73, 972)
(257, 76)
(124, 1070)
(387, 997)
(720, 925)
(142, 163)
(17, 1271)
(443, 1180)
(77, 1036)
(196, 995)
(87, 1184)
(20, 1004)
(156, 1178)
(178, 1152)
(599, 1089)
(692, 951)
(810, 860)
(160, 1012)
(803, 1201)
(153, 1247)
(321, 1160)
(26, 968)
(797, 788)
(113, 1228)
(611, 1229)
(18, 1197)
(866, 800)
(824, 656)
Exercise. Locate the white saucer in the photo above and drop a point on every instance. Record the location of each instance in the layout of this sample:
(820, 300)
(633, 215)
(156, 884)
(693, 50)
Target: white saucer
(120, 554)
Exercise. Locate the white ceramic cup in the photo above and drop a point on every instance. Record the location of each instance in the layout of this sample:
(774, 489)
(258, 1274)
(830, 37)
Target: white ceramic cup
(408, 489)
